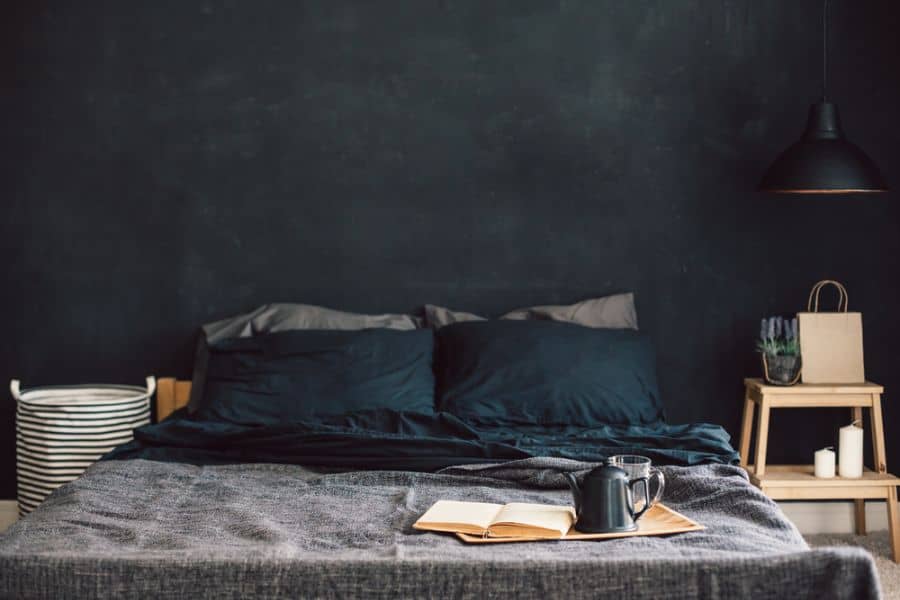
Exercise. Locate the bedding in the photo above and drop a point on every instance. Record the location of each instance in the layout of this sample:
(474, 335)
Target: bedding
(386, 439)
(546, 372)
(272, 318)
(301, 375)
(145, 528)
(312, 454)
(609, 312)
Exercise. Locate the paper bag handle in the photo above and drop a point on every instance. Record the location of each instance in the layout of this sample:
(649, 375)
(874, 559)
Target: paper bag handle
(812, 305)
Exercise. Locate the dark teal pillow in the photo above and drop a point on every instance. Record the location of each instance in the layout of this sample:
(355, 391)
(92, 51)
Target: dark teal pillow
(305, 375)
(546, 373)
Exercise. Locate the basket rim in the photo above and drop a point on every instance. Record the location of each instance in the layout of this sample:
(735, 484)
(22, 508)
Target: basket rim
(83, 394)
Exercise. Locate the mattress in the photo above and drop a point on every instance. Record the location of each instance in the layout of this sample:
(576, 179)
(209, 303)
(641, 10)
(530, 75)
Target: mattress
(148, 528)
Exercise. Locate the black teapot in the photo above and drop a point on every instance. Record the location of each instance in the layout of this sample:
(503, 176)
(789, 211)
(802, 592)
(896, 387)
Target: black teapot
(604, 501)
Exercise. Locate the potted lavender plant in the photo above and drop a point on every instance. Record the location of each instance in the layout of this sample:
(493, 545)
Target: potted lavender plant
(779, 347)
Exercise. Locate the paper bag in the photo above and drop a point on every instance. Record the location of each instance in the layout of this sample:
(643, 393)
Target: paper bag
(831, 343)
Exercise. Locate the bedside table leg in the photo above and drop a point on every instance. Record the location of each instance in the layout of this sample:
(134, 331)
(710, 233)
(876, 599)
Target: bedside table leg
(878, 435)
(746, 430)
(894, 523)
(762, 438)
(859, 507)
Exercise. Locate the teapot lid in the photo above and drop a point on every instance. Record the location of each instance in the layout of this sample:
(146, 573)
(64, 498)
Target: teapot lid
(607, 471)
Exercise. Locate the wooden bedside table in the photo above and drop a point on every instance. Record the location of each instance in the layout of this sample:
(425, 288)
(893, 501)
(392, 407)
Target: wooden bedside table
(797, 482)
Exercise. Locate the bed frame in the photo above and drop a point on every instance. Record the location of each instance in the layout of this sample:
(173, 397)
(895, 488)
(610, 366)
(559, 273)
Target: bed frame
(171, 394)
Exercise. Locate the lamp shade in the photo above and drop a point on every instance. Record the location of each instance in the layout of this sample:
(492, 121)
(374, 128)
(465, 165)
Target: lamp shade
(822, 161)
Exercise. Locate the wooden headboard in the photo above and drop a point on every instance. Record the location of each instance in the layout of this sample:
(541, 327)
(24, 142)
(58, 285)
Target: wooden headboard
(171, 394)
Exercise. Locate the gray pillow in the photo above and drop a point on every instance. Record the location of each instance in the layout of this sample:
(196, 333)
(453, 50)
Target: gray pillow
(609, 312)
(438, 316)
(271, 318)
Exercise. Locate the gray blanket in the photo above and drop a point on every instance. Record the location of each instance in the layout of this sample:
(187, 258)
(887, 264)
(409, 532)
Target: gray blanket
(137, 529)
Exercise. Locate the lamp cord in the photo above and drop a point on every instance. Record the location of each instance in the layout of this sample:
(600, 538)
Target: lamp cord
(824, 48)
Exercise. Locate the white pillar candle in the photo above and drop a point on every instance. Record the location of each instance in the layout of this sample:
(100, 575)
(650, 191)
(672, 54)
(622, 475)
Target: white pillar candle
(850, 448)
(825, 463)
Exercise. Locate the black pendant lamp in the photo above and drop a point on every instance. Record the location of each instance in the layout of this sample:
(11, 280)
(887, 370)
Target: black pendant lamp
(822, 161)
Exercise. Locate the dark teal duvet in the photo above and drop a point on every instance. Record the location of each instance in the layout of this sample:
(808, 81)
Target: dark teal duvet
(417, 442)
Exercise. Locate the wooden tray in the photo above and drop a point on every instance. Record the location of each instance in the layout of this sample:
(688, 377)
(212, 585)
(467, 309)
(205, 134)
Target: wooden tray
(659, 520)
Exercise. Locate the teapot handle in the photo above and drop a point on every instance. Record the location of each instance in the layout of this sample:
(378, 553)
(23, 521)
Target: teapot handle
(576, 490)
(646, 486)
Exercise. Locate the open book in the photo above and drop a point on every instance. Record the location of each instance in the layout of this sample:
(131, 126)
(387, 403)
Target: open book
(515, 519)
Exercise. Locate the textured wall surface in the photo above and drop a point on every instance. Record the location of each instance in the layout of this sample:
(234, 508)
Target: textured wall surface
(168, 163)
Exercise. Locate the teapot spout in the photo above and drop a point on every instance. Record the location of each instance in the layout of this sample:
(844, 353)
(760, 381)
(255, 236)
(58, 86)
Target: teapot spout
(576, 490)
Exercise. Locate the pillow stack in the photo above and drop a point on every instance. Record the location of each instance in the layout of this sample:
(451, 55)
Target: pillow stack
(273, 318)
(581, 365)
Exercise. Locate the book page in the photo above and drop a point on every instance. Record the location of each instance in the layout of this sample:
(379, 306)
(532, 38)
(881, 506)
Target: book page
(452, 515)
(539, 520)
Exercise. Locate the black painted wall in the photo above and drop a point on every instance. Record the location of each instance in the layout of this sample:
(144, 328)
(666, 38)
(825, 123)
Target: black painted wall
(168, 163)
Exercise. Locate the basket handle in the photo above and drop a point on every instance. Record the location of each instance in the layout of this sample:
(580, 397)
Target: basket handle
(151, 385)
(812, 304)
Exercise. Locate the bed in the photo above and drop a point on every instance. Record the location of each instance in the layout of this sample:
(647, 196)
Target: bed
(213, 505)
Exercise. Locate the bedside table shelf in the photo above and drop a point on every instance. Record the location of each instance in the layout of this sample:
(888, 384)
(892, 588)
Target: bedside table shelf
(798, 482)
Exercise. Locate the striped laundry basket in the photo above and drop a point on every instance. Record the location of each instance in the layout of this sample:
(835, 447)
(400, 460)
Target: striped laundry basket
(62, 430)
